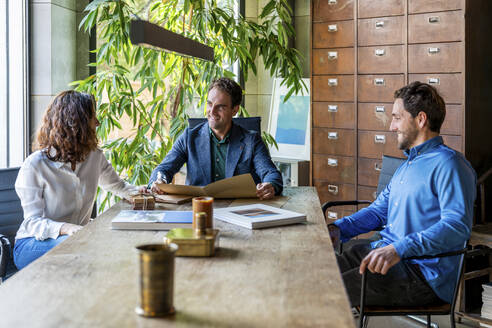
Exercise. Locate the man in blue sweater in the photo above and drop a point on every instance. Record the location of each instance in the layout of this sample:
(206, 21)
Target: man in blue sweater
(426, 209)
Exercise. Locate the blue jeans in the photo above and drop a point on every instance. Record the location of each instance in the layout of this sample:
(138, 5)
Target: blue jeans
(27, 250)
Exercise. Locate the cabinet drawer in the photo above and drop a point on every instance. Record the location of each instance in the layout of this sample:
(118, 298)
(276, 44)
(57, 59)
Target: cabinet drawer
(373, 144)
(334, 141)
(333, 61)
(366, 193)
(436, 27)
(371, 8)
(455, 142)
(374, 116)
(450, 86)
(435, 57)
(375, 88)
(422, 6)
(333, 34)
(331, 10)
(334, 115)
(368, 171)
(330, 191)
(333, 88)
(380, 31)
(337, 212)
(340, 169)
(380, 60)
(453, 123)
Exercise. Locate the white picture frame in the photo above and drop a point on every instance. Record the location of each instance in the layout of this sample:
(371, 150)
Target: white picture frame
(290, 122)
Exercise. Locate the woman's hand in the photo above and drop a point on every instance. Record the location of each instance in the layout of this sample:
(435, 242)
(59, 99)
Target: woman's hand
(143, 189)
(69, 229)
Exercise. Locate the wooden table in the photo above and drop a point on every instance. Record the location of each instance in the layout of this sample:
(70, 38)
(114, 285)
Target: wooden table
(276, 277)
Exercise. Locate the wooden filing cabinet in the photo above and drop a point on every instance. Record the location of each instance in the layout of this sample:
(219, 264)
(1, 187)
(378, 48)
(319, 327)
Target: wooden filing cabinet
(364, 50)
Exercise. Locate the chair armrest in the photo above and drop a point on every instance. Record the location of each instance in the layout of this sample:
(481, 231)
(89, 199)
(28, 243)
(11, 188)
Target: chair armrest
(446, 254)
(4, 255)
(327, 205)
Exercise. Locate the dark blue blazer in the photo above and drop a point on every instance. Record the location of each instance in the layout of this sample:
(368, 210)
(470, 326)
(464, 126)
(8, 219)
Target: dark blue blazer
(246, 154)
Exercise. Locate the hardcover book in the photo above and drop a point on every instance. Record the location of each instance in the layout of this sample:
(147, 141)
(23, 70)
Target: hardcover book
(152, 220)
(257, 216)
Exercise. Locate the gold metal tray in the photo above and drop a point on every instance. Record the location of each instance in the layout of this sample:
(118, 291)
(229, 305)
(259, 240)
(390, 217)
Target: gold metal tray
(191, 244)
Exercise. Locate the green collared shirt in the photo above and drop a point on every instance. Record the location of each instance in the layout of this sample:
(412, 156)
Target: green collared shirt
(218, 149)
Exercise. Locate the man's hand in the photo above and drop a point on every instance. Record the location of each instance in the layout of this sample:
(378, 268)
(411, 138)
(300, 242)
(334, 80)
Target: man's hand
(380, 260)
(265, 190)
(156, 190)
(69, 229)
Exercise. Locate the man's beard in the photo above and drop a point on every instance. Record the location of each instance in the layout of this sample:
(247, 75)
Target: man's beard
(408, 139)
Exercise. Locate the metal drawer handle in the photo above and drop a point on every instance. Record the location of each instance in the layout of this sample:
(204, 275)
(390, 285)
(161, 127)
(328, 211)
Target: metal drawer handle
(333, 189)
(332, 82)
(379, 81)
(332, 2)
(379, 52)
(380, 109)
(433, 50)
(374, 195)
(379, 24)
(378, 166)
(433, 80)
(332, 215)
(434, 19)
(333, 135)
(332, 55)
(333, 108)
(332, 28)
(380, 138)
(332, 162)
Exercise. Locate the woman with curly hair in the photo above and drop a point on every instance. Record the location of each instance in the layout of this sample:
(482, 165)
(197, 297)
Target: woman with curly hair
(57, 183)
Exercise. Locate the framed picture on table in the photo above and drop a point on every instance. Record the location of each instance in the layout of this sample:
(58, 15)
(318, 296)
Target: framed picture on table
(290, 122)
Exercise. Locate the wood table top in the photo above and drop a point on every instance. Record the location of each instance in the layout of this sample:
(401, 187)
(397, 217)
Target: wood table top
(276, 277)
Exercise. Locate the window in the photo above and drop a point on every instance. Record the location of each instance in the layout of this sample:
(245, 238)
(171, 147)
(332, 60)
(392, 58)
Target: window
(13, 83)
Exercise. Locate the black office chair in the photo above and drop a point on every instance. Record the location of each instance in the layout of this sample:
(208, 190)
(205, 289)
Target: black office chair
(11, 216)
(428, 311)
(389, 166)
(248, 123)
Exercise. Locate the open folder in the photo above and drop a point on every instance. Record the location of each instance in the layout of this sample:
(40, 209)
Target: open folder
(239, 186)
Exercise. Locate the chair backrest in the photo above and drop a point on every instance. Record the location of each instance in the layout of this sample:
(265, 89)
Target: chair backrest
(248, 123)
(11, 214)
(390, 164)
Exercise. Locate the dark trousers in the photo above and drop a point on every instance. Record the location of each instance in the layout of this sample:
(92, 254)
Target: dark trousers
(403, 284)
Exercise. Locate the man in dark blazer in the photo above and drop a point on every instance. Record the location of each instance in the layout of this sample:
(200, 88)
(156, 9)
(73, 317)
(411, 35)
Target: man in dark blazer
(219, 148)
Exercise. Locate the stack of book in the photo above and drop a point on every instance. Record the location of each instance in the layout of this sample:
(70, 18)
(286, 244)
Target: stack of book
(487, 303)
(143, 202)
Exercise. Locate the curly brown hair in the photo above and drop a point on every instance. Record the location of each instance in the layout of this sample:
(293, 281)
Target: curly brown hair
(67, 128)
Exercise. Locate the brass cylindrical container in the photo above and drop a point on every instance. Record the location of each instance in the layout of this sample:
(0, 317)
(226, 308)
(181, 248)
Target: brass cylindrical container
(156, 279)
(204, 204)
(200, 223)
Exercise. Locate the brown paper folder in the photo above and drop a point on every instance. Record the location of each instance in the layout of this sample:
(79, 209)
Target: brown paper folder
(239, 186)
(172, 199)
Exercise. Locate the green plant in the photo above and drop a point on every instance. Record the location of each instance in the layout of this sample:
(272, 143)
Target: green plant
(154, 89)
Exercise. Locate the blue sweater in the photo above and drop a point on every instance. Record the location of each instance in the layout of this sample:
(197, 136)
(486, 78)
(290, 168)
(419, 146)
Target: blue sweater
(426, 209)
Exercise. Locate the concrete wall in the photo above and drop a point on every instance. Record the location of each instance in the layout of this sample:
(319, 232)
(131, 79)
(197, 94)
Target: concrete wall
(258, 88)
(58, 53)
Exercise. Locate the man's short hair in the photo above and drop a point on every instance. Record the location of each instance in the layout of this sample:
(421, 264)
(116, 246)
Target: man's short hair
(230, 87)
(422, 97)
